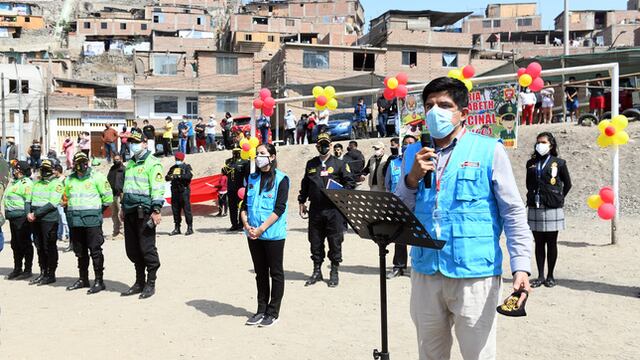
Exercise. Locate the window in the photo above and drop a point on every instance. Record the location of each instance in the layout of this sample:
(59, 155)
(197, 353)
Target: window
(496, 23)
(165, 104)
(315, 59)
(227, 104)
(270, 8)
(364, 62)
(525, 22)
(409, 58)
(165, 64)
(271, 38)
(143, 26)
(27, 19)
(192, 107)
(103, 25)
(13, 86)
(248, 37)
(290, 22)
(13, 115)
(199, 20)
(486, 23)
(261, 21)
(158, 18)
(87, 25)
(227, 65)
(449, 59)
(123, 26)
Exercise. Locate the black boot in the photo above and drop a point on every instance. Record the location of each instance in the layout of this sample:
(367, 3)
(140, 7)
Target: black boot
(25, 274)
(333, 276)
(135, 289)
(98, 286)
(38, 278)
(316, 276)
(149, 289)
(189, 230)
(14, 274)
(82, 282)
(175, 231)
(49, 278)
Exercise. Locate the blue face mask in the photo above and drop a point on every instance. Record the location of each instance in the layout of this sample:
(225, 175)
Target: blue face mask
(136, 148)
(439, 122)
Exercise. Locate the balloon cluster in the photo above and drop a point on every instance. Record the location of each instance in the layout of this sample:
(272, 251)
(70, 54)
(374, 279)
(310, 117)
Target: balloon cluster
(603, 202)
(248, 147)
(265, 102)
(612, 131)
(396, 87)
(530, 77)
(465, 74)
(325, 97)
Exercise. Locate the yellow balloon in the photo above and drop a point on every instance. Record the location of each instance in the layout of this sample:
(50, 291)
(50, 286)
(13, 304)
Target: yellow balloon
(455, 74)
(252, 153)
(318, 91)
(318, 107)
(525, 80)
(244, 155)
(332, 104)
(329, 92)
(620, 138)
(594, 201)
(254, 142)
(243, 141)
(392, 83)
(468, 84)
(620, 122)
(604, 141)
(603, 125)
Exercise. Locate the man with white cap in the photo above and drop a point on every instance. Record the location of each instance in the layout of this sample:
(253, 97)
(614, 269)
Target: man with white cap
(290, 127)
(211, 133)
(375, 168)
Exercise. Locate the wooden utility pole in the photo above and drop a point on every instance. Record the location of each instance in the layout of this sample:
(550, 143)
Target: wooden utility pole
(4, 118)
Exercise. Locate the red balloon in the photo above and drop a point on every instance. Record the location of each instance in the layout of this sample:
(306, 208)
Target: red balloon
(389, 94)
(265, 93)
(607, 195)
(606, 211)
(534, 69)
(522, 71)
(537, 84)
(403, 78)
(257, 104)
(321, 100)
(610, 130)
(267, 112)
(468, 72)
(401, 91)
(269, 103)
(386, 79)
(246, 147)
(241, 192)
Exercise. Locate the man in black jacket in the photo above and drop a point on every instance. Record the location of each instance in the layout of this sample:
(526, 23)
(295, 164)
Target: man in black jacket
(355, 159)
(236, 170)
(116, 181)
(180, 176)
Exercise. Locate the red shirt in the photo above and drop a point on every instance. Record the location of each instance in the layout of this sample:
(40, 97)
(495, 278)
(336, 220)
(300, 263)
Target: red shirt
(222, 184)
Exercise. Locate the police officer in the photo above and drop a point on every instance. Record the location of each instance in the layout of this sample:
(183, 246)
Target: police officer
(17, 204)
(325, 221)
(236, 170)
(88, 194)
(392, 177)
(141, 203)
(180, 176)
(45, 198)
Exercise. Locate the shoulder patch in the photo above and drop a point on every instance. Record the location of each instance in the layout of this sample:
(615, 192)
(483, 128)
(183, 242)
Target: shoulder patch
(59, 188)
(158, 177)
(346, 166)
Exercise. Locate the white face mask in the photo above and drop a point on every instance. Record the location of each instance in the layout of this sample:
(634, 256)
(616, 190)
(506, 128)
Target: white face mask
(379, 152)
(543, 148)
(136, 149)
(262, 161)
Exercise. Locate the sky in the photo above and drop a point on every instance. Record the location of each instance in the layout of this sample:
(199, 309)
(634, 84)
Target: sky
(549, 9)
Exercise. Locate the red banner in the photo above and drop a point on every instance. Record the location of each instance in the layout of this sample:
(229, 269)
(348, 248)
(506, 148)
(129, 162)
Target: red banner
(203, 189)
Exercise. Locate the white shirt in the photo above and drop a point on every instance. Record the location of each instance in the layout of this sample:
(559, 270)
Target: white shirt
(290, 120)
(324, 118)
(527, 98)
(211, 127)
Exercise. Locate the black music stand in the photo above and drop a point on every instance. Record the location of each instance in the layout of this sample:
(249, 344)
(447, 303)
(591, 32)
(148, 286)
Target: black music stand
(383, 218)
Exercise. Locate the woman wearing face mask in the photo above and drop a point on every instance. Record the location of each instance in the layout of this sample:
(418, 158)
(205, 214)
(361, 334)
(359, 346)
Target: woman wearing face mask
(548, 183)
(264, 216)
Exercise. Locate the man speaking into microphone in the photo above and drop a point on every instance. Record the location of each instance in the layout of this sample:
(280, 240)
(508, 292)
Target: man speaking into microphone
(471, 199)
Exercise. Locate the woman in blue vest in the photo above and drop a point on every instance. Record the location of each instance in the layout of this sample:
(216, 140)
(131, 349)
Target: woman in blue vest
(548, 182)
(264, 216)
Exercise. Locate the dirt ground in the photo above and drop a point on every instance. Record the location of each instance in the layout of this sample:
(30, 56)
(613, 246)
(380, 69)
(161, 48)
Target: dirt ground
(206, 290)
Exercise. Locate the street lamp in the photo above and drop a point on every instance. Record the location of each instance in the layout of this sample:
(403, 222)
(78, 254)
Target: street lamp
(616, 39)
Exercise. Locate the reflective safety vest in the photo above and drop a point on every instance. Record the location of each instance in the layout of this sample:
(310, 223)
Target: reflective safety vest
(395, 168)
(86, 197)
(46, 195)
(260, 206)
(16, 196)
(470, 222)
(143, 184)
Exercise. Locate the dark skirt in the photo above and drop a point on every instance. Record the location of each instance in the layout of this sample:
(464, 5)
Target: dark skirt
(546, 220)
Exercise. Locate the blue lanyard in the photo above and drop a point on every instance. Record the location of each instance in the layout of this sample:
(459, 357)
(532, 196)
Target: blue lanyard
(539, 168)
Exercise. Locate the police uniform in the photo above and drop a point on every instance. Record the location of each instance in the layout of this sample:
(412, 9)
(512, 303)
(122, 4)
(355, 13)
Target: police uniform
(143, 194)
(180, 177)
(45, 198)
(16, 207)
(236, 170)
(325, 221)
(88, 194)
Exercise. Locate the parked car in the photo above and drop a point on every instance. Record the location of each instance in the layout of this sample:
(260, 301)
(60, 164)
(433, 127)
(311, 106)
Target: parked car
(340, 127)
(243, 124)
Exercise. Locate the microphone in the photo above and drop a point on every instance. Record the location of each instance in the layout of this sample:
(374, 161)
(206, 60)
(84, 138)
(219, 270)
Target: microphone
(425, 141)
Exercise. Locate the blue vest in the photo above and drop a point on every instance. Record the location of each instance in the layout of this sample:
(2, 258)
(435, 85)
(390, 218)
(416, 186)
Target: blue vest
(470, 221)
(395, 168)
(261, 205)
